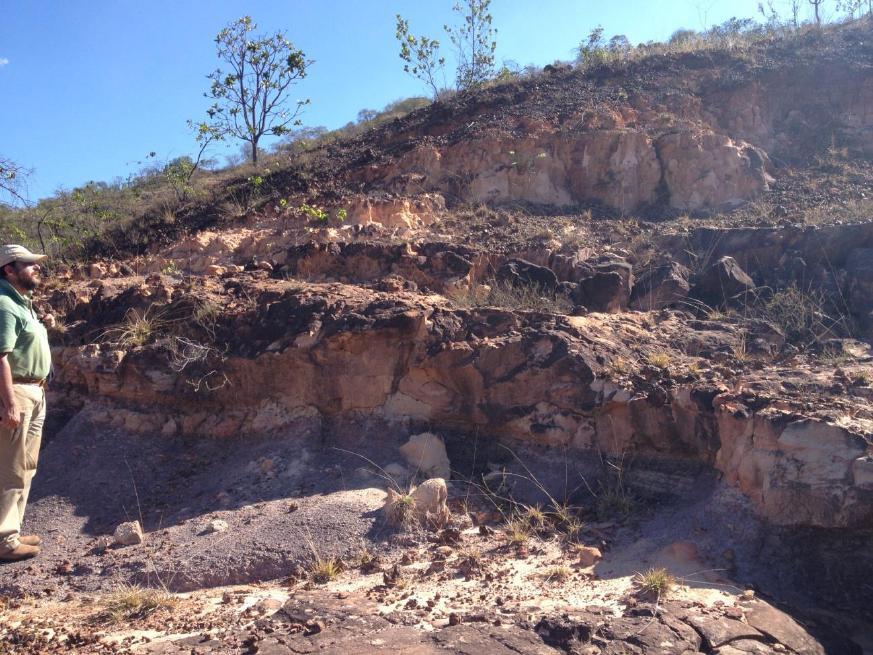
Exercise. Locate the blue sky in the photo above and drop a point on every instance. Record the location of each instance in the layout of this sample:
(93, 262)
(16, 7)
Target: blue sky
(89, 87)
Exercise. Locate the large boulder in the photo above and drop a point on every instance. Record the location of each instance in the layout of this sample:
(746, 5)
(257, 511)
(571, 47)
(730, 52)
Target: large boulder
(721, 281)
(427, 453)
(604, 285)
(519, 272)
(660, 286)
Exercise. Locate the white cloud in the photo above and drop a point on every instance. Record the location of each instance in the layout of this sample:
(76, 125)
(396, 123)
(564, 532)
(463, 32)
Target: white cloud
(3, 61)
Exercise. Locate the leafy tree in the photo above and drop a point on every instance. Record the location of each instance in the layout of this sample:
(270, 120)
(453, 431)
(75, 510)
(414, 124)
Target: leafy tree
(474, 42)
(251, 99)
(592, 51)
(420, 54)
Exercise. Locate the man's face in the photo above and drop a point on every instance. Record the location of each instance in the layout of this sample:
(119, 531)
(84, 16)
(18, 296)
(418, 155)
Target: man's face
(26, 275)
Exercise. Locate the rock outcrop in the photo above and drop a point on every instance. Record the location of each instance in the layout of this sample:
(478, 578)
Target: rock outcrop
(529, 377)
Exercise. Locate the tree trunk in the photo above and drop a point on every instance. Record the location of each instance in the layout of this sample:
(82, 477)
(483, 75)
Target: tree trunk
(255, 152)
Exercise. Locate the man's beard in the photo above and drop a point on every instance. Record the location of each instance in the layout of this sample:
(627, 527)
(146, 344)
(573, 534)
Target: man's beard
(27, 282)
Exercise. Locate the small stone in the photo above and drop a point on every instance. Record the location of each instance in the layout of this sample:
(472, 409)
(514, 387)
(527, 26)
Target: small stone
(64, 568)
(748, 594)
(589, 555)
(218, 525)
(733, 612)
(454, 618)
(129, 534)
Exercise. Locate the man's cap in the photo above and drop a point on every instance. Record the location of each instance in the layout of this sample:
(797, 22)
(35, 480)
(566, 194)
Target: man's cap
(15, 253)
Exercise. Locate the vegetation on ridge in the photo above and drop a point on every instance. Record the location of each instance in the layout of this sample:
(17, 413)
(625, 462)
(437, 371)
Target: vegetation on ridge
(167, 199)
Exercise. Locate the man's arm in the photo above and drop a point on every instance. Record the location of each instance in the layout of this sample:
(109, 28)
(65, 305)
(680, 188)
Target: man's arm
(9, 412)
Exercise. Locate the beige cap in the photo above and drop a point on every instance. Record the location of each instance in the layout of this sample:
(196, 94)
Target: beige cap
(15, 253)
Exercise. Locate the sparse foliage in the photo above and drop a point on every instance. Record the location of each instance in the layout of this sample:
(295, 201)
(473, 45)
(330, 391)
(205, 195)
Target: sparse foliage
(421, 57)
(474, 42)
(803, 315)
(251, 98)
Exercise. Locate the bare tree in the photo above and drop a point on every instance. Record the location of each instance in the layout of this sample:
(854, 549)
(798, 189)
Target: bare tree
(12, 181)
(816, 4)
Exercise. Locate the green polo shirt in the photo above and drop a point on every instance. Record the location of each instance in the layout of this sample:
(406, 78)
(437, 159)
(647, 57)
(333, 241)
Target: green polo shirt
(22, 335)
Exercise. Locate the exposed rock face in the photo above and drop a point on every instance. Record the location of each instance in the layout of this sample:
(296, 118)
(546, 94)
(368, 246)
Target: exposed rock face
(400, 212)
(708, 170)
(535, 378)
(622, 168)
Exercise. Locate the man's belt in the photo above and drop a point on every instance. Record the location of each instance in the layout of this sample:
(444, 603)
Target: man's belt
(38, 381)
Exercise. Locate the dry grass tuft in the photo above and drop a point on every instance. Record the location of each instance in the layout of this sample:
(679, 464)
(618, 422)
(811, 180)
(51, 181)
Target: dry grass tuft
(402, 511)
(517, 530)
(557, 573)
(503, 294)
(656, 582)
(134, 602)
(322, 571)
(660, 359)
(138, 328)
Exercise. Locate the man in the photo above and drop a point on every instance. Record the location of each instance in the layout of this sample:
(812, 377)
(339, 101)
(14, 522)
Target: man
(25, 362)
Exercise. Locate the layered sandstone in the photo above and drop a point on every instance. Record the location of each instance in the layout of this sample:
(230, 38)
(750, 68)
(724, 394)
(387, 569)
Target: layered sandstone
(309, 354)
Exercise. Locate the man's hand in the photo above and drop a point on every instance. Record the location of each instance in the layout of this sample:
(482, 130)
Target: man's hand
(49, 320)
(10, 416)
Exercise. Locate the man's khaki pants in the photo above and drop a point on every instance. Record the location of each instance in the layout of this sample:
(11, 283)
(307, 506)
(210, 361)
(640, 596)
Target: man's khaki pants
(19, 451)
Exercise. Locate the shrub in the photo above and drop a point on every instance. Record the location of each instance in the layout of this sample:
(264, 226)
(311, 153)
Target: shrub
(805, 317)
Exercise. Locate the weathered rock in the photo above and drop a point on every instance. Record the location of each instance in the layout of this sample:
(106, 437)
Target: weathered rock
(662, 286)
(428, 504)
(721, 281)
(718, 631)
(589, 555)
(705, 169)
(426, 452)
(604, 285)
(217, 525)
(129, 534)
(782, 628)
(430, 501)
(392, 213)
(521, 273)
